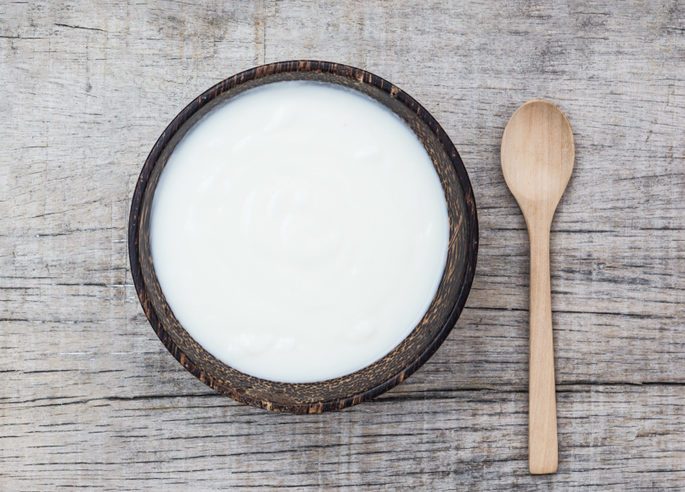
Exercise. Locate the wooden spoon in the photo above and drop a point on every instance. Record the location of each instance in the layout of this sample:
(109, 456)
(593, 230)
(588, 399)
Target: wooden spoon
(537, 161)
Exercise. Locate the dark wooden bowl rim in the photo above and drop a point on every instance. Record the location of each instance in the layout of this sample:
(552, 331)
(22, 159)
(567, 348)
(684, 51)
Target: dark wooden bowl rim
(302, 398)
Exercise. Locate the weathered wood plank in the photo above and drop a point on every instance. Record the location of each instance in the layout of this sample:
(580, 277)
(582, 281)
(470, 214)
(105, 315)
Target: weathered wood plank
(89, 397)
(431, 441)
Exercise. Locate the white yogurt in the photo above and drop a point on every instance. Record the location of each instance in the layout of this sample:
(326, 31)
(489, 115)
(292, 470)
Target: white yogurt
(299, 231)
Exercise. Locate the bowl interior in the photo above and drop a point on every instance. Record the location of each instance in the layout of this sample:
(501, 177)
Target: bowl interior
(405, 358)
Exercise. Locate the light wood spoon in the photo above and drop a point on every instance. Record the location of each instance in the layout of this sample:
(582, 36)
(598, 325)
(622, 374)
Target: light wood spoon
(537, 161)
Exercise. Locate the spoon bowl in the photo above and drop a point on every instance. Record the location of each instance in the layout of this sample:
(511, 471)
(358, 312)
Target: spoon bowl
(537, 157)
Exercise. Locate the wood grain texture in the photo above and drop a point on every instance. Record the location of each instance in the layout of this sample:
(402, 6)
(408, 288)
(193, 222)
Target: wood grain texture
(89, 396)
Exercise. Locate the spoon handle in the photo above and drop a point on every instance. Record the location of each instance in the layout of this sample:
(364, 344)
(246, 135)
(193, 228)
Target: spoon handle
(542, 409)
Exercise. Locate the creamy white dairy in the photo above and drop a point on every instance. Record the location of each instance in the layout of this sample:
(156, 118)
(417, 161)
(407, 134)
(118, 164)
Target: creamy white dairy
(299, 231)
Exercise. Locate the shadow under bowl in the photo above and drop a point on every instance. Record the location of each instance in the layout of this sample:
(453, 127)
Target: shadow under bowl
(413, 351)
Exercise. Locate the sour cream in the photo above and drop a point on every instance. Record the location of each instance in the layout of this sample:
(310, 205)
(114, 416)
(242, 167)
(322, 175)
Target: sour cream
(299, 231)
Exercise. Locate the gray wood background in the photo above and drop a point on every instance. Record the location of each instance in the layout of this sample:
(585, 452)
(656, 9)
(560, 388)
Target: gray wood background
(90, 398)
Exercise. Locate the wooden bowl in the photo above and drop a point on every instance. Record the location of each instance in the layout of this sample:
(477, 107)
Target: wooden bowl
(413, 351)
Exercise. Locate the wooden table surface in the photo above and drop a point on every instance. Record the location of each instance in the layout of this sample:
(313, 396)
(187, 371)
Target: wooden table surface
(89, 396)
